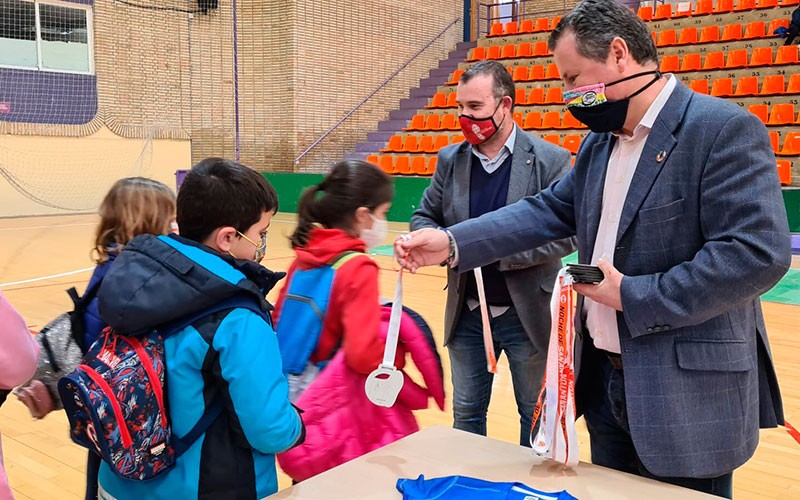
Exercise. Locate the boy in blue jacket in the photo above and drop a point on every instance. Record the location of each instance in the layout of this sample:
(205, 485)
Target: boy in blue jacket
(224, 211)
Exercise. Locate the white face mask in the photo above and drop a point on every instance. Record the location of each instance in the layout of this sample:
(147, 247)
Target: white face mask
(375, 235)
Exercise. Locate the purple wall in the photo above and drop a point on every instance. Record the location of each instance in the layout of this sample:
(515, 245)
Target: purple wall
(48, 97)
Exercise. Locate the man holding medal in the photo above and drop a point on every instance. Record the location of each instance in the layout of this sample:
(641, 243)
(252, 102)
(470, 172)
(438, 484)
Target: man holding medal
(498, 164)
(675, 197)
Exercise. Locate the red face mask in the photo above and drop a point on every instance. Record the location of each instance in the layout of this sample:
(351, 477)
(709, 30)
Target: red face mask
(479, 130)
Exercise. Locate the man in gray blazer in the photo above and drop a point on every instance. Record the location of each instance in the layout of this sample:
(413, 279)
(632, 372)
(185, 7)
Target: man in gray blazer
(497, 165)
(675, 196)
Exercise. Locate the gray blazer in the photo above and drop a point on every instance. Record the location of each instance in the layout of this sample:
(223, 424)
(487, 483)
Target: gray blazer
(703, 234)
(530, 273)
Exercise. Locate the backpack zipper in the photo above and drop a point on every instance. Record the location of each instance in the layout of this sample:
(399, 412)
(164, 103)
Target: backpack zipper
(147, 362)
(124, 432)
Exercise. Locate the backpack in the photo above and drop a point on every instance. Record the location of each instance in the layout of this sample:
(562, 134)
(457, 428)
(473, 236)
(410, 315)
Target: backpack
(116, 404)
(302, 317)
(62, 345)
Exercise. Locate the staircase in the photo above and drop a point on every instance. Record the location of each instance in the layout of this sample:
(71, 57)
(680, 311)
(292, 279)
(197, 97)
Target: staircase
(418, 98)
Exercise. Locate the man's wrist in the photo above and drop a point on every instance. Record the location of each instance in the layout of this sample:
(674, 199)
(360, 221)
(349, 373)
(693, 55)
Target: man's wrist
(452, 257)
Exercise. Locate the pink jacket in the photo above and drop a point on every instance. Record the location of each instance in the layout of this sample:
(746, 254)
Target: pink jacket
(342, 424)
(18, 355)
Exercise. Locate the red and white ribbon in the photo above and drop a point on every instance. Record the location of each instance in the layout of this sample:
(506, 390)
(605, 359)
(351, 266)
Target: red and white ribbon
(557, 438)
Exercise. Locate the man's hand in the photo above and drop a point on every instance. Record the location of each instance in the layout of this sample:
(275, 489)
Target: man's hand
(607, 292)
(425, 247)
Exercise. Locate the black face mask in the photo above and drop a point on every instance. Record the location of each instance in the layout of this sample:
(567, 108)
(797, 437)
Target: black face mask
(603, 116)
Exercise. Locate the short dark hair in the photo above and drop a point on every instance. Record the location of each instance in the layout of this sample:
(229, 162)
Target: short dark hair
(333, 202)
(597, 22)
(218, 193)
(502, 83)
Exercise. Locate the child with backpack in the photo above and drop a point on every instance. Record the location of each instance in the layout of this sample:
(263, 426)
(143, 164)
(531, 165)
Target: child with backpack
(332, 329)
(18, 353)
(183, 395)
(133, 206)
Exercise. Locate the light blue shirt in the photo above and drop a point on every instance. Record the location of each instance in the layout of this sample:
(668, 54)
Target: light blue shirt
(490, 165)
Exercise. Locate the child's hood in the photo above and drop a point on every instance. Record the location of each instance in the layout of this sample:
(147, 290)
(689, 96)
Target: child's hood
(159, 279)
(326, 244)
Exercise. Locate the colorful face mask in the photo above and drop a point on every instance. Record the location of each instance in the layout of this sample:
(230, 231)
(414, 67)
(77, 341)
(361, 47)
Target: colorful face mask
(590, 105)
(261, 248)
(479, 130)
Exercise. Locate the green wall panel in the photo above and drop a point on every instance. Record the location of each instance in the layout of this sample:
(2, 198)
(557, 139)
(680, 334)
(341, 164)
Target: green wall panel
(408, 192)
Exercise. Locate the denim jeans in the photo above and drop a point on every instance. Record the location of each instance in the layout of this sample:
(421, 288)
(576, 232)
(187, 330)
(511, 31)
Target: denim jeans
(472, 383)
(610, 438)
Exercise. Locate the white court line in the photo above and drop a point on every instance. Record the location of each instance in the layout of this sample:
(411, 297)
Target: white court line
(54, 226)
(44, 278)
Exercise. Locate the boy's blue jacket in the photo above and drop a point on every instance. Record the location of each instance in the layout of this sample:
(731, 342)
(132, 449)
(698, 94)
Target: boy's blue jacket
(156, 280)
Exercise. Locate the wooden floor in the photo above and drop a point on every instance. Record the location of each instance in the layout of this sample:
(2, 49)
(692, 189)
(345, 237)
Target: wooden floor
(42, 463)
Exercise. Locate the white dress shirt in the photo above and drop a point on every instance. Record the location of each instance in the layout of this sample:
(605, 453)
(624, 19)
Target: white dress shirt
(602, 320)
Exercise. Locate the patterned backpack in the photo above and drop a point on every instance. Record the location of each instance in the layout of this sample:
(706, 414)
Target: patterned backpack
(116, 399)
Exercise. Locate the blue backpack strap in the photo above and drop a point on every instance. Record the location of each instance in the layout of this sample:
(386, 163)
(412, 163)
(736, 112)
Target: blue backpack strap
(215, 409)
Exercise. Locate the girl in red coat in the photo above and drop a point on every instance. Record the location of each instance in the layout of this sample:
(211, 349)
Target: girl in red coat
(344, 213)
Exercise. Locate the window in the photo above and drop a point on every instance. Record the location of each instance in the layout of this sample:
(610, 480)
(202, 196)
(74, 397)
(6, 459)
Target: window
(45, 36)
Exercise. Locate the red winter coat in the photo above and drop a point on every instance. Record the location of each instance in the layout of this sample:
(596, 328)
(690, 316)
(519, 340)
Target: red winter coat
(343, 424)
(353, 314)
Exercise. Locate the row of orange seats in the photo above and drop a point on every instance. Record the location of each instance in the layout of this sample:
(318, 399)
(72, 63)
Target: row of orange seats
(738, 58)
(791, 144)
(535, 120)
(748, 86)
(712, 34)
(524, 27)
(706, 7)
(448, 121)
(779, 114)
(404, 165)
(537, 95)
(420, 144)
(537, 72)
(785, 172)
(509, 51)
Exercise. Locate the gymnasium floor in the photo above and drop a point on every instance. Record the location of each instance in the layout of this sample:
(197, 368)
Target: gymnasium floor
(42, 463)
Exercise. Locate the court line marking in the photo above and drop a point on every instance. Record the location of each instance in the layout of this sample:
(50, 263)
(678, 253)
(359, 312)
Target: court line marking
(45, 278)
(54, 226)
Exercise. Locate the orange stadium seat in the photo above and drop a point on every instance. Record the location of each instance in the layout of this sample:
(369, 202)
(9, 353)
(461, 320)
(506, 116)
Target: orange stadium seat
(723, 6)
(714, 60)
(691, 62)
(670, 63)
(704, 7)
(478, 54)
(709, 34)
(410, 144)
(386, 162)
(418, 165)
(536, 72)
(536, 95)
(450, 122)
(645, 12)
(700, 86)
(417, 123)
(552, 72)
(496, 29)
(756, 29)
(551, 119)
(455, 76)
(794, 84)
(432, 165)
(541, 25)
(747, 86)
(773, 85)
(532, 120)
(742, 5)
(736, 59)
(785, 172)
(761, 111)
(511, 28)
(791, 144)
(540, 49)
(451, 100)
(439, 142)
(781, 114)
(554, 96)
(787, 54)
(766, 4)
(525, 49)
(425, 144)
(761, 56)
(667, 38)
(402, 165)
(569, 121)
(439, 100)
(520, 97)
(731, 32)
(509, 51)
(395, 144)
(493, 52)
(572, 142)
(688, 36)
(433, 122)
(663, 12)
(526, 26)
(520, 75)
(722, 87)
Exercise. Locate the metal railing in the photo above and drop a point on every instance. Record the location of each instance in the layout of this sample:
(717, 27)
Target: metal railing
(375, 91)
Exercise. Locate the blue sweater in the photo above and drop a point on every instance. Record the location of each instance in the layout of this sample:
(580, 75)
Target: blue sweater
(468, 488)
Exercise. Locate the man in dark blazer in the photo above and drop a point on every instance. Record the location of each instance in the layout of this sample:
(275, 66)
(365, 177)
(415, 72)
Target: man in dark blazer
(496, 165)
(675, 196)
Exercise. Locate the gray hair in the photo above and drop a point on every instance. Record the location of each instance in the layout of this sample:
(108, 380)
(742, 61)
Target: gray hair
(597, 22)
